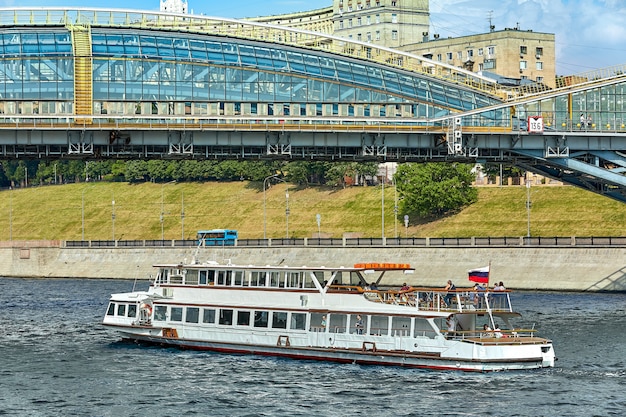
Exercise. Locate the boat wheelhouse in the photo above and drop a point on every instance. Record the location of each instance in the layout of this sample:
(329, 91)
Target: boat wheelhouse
(340, 314)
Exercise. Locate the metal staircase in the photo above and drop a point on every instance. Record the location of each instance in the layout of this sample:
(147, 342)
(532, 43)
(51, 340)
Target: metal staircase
(83, 73)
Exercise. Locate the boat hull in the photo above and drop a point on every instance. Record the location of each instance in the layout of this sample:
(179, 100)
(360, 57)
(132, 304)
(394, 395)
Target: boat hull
(366, 356)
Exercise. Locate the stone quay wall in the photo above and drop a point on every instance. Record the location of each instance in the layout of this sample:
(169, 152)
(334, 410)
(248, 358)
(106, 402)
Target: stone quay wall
(525, 268)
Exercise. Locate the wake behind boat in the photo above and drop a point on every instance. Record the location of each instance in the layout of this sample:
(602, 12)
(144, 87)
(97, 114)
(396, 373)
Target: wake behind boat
(336, 314)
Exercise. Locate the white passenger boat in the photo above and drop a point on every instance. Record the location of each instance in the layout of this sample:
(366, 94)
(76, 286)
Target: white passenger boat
(327, 314)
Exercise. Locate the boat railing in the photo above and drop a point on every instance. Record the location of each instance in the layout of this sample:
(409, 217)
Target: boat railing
(503, 335)
(428, 299)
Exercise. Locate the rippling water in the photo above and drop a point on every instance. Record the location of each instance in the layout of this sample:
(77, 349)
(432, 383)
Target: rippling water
(58, 361)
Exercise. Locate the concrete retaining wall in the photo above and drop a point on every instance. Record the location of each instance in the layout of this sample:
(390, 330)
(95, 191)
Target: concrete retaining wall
(572, 269)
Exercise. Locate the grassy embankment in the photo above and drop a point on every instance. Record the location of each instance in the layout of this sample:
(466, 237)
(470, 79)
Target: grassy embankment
(56, 212)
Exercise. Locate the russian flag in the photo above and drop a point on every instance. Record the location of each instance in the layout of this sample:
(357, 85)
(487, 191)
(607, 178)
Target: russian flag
(480, 275)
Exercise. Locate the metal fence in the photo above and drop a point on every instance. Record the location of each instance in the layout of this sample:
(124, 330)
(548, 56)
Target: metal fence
(557, 241)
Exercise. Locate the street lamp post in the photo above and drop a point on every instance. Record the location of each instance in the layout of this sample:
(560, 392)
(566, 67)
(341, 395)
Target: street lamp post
(382, 206)
(287, 211)
(113, 218)
(395, 208)
(182, 215)
(11, 214)
(162, 217)
(528, 204)
(265, 204)
(82, 215)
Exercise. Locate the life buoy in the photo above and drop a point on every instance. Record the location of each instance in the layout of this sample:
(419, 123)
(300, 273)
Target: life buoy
(147, 308)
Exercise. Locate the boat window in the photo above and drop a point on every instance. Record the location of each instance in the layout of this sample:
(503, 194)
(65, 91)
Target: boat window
(338, 323)
(160, 313)
(298, 321)
(400, 326)
(121, 309)
(308, 281)
(221, 277)
(211, 277)
(243, 318)
(203, 279)
(111, 309)
(422, 328)
(238, 278)
(318, 322)
(176, 314)
(257, 279)
(208, 315)
(191, 315)
(338, 279)
(226, 317)
(260, 318)
(274, 279)
(165, 274)
(176, 279)
(132, 310)
(294, 279)
(379, 325)
(279, 320)
(191, 277)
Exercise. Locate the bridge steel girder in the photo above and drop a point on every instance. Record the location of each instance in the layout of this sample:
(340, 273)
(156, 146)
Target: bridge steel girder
(595, 162)
(599, 172)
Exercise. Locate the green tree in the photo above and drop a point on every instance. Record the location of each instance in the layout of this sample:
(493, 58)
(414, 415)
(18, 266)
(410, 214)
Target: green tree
(434, 189)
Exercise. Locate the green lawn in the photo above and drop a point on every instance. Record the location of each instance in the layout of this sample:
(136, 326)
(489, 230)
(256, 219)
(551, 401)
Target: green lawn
(56, 212)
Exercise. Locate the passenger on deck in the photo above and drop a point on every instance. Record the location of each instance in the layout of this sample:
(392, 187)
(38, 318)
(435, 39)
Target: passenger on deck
(405, 287)
(496, 331)
(487, 331)
(359, 324)
(373, 286)
(451, 324)
(450, 287)
(323, 323)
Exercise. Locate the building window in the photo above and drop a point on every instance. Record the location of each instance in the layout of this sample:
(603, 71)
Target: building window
(358, 36)
(539, 79)
(438, 57)
(539, 65)
(341, 24)
(449, 56)
(378, 35)
(349, 23)
(480, 51)
(394, 18)
(459, 55)
(523, 50)
(489, 64)
(491, 50)
(523, 65)
(358, 21)
(394, 3)
(394, 34)
(369, 36)
(539, 51)
(368, 20)
(470, 53)
(377, 18)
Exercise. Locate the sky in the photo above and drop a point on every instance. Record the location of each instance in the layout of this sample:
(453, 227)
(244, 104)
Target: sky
(590, 34)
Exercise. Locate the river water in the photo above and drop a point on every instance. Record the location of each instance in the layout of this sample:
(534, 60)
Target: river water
(57, 360)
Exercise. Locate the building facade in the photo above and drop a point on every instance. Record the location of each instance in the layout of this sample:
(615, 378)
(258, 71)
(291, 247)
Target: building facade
(512, 54)
(516, 56)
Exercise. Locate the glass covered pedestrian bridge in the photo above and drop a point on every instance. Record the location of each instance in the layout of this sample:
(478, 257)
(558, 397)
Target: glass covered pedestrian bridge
(133, 67)
(120, 67)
